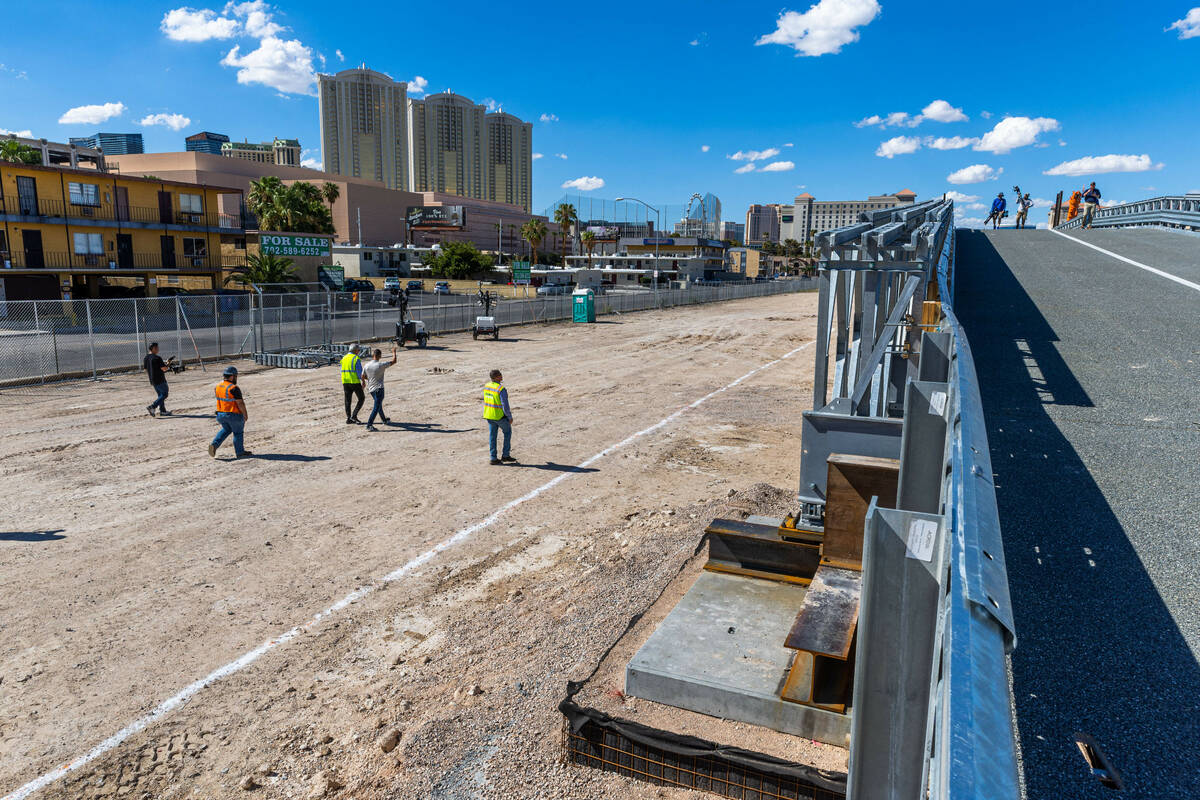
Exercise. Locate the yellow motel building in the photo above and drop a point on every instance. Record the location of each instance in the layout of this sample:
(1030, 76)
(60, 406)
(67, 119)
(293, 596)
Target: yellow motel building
(76, 232)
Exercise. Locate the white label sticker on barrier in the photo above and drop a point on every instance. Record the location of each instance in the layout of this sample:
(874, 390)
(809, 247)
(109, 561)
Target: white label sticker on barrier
(937, 403)
(921, 533)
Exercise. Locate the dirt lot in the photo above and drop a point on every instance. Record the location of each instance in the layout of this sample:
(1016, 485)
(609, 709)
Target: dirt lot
(133, 564)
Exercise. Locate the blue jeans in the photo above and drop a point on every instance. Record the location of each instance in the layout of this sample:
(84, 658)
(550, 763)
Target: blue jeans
(161, 401)
(495, 425)
(230, 423)
(377, 408)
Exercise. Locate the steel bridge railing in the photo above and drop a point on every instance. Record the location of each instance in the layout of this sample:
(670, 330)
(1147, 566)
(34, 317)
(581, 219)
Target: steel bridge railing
(1172, 211)
(895, 379)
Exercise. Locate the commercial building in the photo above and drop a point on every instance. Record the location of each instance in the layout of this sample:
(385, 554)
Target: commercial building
(111, 144)
(366, 211)
(364, 261)
(807, 214)
(676, 258)
(508, 160)
(71, 232)
(205, 142)
(446, 145)
(733, 232)
(281, 152)
(364, 126)
(762, 224)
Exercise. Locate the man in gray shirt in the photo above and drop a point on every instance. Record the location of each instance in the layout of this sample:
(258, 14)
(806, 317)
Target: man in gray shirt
(373, 372)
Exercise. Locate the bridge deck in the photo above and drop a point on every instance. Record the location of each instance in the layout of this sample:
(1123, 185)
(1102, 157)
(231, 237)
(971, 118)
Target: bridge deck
(1089, 373)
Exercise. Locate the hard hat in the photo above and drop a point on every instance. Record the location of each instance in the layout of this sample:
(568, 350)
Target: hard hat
(354, 348)
(230, 372)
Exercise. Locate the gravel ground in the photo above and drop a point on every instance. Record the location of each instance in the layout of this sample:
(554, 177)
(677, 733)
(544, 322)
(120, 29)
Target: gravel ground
(146, 565)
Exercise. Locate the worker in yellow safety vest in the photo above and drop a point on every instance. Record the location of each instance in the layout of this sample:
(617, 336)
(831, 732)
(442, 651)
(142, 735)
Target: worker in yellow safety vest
(498, 415)
(231, 415)
(352, 384)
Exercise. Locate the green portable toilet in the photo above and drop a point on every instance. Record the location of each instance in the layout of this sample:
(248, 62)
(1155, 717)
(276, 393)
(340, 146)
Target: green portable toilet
(583, 306)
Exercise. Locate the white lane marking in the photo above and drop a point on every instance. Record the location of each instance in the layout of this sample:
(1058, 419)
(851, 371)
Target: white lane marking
(185, 694)
(1139, 265)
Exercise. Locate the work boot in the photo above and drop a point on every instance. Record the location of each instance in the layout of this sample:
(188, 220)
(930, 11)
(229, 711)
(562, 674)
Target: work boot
(244, 454)
(371, 427)
(349, 421)
(162, 412)
(212, 450)
(495, 461)
(508, 460)
(150, 410)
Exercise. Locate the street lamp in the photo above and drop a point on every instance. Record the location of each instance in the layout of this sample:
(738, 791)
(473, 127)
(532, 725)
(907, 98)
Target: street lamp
(658, 229)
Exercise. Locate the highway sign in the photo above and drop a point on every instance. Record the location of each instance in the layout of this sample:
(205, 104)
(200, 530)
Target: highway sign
(520, 270)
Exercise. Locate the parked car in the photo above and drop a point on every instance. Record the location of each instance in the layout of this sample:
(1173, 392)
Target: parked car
(391, 283)
(441, 287)
(554, 289)
(356, 285)
(416, 286)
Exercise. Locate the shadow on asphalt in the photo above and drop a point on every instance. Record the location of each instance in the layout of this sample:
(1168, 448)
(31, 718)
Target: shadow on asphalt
(31, 536)
(1097, 649)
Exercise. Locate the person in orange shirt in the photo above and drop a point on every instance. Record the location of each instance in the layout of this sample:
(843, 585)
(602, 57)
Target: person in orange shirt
(231, 415)
(1073, 204)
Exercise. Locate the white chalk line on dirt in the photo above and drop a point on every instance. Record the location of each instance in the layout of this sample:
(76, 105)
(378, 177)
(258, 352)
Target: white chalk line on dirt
(246, 659)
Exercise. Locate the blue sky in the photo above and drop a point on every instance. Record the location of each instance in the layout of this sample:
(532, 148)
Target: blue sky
(654, 100)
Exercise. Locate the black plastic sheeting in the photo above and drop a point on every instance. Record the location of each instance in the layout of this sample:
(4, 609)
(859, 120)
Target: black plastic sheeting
(581, 722)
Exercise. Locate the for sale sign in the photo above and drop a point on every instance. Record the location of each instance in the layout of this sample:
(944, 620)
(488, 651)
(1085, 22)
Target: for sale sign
(282, 244)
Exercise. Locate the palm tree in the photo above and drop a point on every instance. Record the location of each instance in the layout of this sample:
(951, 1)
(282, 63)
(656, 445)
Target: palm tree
(565, 216)
(589, 241)
(264, 269)
(14, 152)
(534, 231)
(298, 207)
(330, 192)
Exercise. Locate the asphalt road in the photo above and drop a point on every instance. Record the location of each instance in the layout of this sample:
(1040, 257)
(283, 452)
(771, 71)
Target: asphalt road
(1088, 369)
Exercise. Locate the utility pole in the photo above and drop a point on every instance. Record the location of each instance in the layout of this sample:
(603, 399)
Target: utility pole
(358, 211)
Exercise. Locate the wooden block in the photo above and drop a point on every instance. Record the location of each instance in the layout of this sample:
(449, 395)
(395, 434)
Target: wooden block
(828, 618)
(852, 482)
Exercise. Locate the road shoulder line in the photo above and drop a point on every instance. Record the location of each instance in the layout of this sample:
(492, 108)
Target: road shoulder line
(1137, 264)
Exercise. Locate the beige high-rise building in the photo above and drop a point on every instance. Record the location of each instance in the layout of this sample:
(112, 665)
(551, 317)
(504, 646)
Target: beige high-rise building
(809, 214)
(446, 136)
(508, 160)
(281, 152)
(364, 126)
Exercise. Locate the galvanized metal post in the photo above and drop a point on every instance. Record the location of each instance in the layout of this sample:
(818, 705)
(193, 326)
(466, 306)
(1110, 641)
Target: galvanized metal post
(217, 323)
(137, 336)
(307, 296)
(178, 329)
(87, 304)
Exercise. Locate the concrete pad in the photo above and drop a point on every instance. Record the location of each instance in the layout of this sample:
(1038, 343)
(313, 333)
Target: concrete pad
(693, 661)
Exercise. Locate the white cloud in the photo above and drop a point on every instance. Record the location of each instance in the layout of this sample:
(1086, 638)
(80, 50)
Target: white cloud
(175, 122)
(704, 148)
(899, 118)
(311, 163)
(21, 134)
(694, 42)
(1098, 165)
(548, 118)
(563, 156)
(898, 145)
(825, 28)
(258, 18)
(1189, 26)
(950, 142)
(491, 104)
(959, 197)
(976, 173)
(339, 55)
(197, 25)
(874, 119)
(941, 111)
(975, 206)
(285, 66)
(744, 169)
(754, 155)
(1013, 132)
(985, 114)
(778, 166)
(585, 184)
(19, 74)
(536, 156)
(968, 222)
(91, 115)
(788, 144)
(417, 86)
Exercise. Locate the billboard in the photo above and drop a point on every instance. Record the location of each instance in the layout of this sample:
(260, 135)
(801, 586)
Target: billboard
(333, 277)
(282, 244)
(520, 271)
(437, 217)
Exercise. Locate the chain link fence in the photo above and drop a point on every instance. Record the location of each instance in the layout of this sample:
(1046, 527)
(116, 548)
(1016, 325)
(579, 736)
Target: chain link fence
(48, 340)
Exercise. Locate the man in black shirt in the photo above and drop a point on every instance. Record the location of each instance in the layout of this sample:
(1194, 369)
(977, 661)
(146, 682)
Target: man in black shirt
(156, 368)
